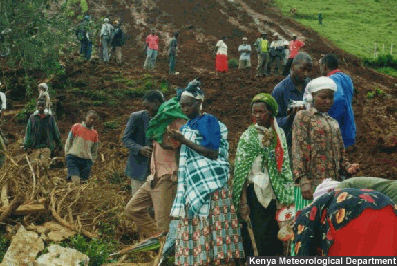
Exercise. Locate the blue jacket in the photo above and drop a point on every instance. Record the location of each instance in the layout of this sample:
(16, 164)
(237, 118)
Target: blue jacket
(134, 138)
(283, 93)
(342, 110)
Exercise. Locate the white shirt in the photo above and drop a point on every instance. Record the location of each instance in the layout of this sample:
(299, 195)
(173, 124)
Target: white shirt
(222, 47)
(261, 180)
(3, 101)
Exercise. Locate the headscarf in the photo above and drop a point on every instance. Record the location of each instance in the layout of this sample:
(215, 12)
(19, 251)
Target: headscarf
(44, 86)
(326, 186)
(193, 90)
(272, 104)
(167, 113)
(269, 100)
(316, 85)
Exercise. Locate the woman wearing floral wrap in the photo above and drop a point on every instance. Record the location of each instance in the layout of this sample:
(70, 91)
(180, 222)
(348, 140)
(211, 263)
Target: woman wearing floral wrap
(318, 151)
(208, 230)
(347, 222)
(263, 179)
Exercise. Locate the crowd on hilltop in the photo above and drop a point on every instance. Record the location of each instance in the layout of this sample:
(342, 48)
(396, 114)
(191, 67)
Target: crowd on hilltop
(291, 181)
(274, 56)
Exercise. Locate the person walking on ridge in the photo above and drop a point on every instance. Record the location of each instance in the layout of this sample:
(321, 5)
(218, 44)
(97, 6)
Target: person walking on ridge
(106, 35)
(262, 47)
(245, 55)
(152, 50)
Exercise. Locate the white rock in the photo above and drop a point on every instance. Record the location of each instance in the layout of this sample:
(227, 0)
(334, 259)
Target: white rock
(24, 248)
(53, 231)
(60, 256)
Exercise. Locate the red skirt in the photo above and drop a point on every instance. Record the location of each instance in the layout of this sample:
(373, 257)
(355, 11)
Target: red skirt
(221, 63)
(373, 233)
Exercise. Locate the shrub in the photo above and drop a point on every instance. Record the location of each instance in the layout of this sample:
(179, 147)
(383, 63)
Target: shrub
(233, 63)
(24, 114)
(4, 244)
(111, 124)
(97, 250)
(164, 86)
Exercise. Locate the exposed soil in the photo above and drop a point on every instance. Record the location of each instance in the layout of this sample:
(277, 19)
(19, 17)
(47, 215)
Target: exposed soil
(201, 24)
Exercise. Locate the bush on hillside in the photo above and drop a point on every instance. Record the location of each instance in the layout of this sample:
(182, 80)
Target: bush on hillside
(386, 60)
(233, 63)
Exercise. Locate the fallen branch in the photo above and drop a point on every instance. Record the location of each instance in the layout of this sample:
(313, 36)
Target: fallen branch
(65, 223)
(11, 208)
(27, 209)
(34, 176)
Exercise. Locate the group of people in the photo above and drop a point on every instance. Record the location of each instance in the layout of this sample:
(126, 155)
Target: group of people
(179, 165)
(293, 154)
(42, 139)
(111, 38)
(152, 50)
(274, 57)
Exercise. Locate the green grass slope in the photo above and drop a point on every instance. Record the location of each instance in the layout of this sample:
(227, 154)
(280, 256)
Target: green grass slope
(353, 25)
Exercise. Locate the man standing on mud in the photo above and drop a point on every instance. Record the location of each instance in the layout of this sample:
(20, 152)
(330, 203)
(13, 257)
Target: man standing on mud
(172, 52)
(85, 35)
(276, 54)
(106, 36)
(294, 47)
(292, 88)
(134, 139)
(160, 188)
(262, 47)
(152, 50)
(42, 135)
(342, 109)
(245, 55)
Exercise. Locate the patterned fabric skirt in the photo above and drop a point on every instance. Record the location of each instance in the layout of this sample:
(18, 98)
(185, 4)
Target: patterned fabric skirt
(212, 240)
(300, 203)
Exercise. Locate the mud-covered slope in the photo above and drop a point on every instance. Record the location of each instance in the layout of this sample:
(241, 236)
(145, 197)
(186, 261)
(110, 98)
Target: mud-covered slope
(201, 23)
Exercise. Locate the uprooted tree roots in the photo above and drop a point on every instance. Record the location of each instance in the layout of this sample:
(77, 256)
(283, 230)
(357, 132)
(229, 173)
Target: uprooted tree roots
(94, 209)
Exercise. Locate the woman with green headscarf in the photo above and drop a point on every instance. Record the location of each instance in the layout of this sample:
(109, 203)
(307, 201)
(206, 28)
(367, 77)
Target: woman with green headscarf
(263, 180)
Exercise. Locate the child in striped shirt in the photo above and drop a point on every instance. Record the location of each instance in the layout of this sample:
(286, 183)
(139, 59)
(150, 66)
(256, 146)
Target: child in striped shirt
(81, 148)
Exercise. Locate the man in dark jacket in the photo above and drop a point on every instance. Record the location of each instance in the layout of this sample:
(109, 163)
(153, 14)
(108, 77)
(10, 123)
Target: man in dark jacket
(118, 41)
(85, 36)
(42, 135)
(135, 140)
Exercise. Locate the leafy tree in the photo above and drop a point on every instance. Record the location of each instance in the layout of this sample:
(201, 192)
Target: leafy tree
(41, 30)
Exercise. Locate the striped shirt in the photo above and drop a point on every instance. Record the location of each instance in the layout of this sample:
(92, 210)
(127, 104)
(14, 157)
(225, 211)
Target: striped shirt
(82, 142)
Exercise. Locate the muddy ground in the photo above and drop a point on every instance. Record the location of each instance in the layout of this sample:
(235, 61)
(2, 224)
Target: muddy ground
(201, 24)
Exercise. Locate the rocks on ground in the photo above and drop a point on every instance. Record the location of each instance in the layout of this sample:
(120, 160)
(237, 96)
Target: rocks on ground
(26, 245)
(60, 256)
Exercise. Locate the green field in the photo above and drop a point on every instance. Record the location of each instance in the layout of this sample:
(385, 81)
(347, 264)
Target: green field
(353, 25)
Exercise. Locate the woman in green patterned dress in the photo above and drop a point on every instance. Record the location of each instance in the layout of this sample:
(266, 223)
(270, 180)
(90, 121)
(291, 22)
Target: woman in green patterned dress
(263, 180)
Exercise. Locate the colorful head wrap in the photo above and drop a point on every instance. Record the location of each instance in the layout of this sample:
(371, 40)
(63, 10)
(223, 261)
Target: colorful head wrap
(326, 186)
(193, 90)
(318, 84)
(269, 100)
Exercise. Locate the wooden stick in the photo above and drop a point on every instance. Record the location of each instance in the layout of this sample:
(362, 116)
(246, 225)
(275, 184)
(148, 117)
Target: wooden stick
(12, 160)
(252, 236)
(11, 208)
(65, 223)
(4, 194)
(34, 176)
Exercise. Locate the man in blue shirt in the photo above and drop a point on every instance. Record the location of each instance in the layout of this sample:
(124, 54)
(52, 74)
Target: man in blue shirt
(245, 55)
(292, 88)
(342, 110)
